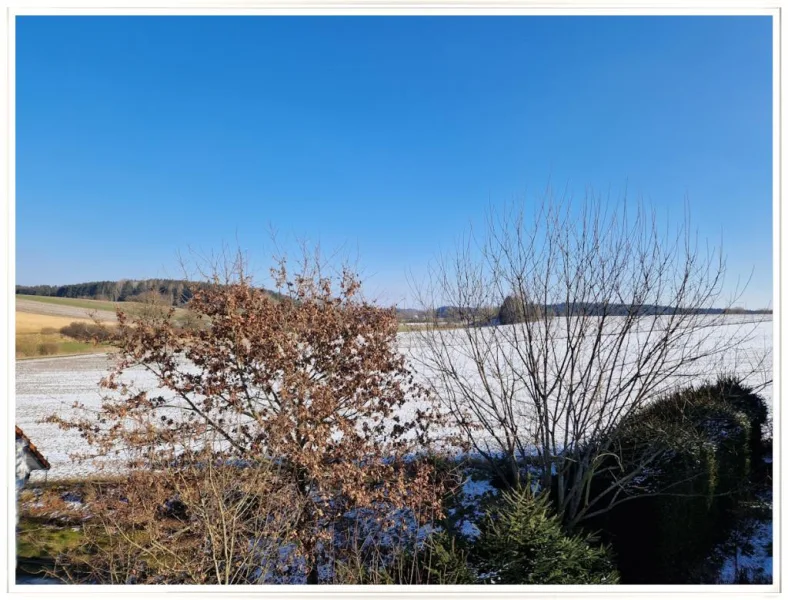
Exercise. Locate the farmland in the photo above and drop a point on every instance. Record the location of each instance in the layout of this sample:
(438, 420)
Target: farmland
(34, 303)
(52, 385)
(77, 308)
(27, 323)
(39, 320)
(38, 335)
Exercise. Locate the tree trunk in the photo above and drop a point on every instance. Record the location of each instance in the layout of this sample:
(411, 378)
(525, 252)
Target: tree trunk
(307, 521)
(514, 472)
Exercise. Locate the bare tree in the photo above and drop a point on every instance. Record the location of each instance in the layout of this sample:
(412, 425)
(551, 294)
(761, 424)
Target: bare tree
(203, 519)
(622, 320)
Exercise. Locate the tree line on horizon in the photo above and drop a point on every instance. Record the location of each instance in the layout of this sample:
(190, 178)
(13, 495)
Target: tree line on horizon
(516, 310)
(176, 292)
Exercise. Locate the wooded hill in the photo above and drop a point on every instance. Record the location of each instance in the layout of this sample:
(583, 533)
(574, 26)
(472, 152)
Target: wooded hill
(175, 291)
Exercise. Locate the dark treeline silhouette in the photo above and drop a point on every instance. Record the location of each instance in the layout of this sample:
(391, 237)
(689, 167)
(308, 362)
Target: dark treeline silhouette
(511, 311)
(598, 308)
(173, 291)
(178, 293)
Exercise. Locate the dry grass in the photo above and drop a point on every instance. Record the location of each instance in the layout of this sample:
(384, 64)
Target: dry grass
(77, 309)
(33, 345)
(39, 335)
(24, 305)
(85, 303)
(27, 323)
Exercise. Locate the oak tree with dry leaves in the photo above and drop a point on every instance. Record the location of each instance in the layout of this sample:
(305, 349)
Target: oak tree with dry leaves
(308, 382)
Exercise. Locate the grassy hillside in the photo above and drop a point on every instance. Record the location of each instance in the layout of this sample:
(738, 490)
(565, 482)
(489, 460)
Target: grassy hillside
(39, 335)
(39, 320)
(75, 302)
(27, 323)
(78, 308)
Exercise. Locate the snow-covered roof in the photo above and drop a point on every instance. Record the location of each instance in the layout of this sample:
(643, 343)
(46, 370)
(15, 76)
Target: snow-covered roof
(31, 448)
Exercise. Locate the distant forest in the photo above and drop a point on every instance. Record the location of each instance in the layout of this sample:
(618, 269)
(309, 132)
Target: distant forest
(174, 291)
(178, 293)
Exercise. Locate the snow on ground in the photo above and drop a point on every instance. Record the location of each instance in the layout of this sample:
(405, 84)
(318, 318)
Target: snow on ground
(748, 553)
(474, 491)
(727, 344)
(756, 562)
(454, 362)
(52, 385)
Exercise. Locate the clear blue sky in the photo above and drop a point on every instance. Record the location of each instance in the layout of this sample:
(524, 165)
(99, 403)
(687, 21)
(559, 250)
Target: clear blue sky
(138, 137)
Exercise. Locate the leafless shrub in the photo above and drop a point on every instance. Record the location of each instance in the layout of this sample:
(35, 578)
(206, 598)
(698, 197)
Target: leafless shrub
(47, 348)
(25, 345)
(87, 332)
(628, 301)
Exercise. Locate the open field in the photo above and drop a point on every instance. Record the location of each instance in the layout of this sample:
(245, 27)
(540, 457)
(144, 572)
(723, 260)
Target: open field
(38, 333)
(52, 385)
(70, 309)
(78, 308)
(75, 302)
(40, 318)
(27, 323)
(405, 327)
(35, 345)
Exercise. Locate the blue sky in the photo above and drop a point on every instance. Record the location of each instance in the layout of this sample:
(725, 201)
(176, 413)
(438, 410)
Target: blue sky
(138, 137)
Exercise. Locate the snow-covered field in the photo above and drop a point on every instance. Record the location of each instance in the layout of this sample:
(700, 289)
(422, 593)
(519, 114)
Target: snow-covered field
(480, 373)
(52, 385)
(734, 344)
